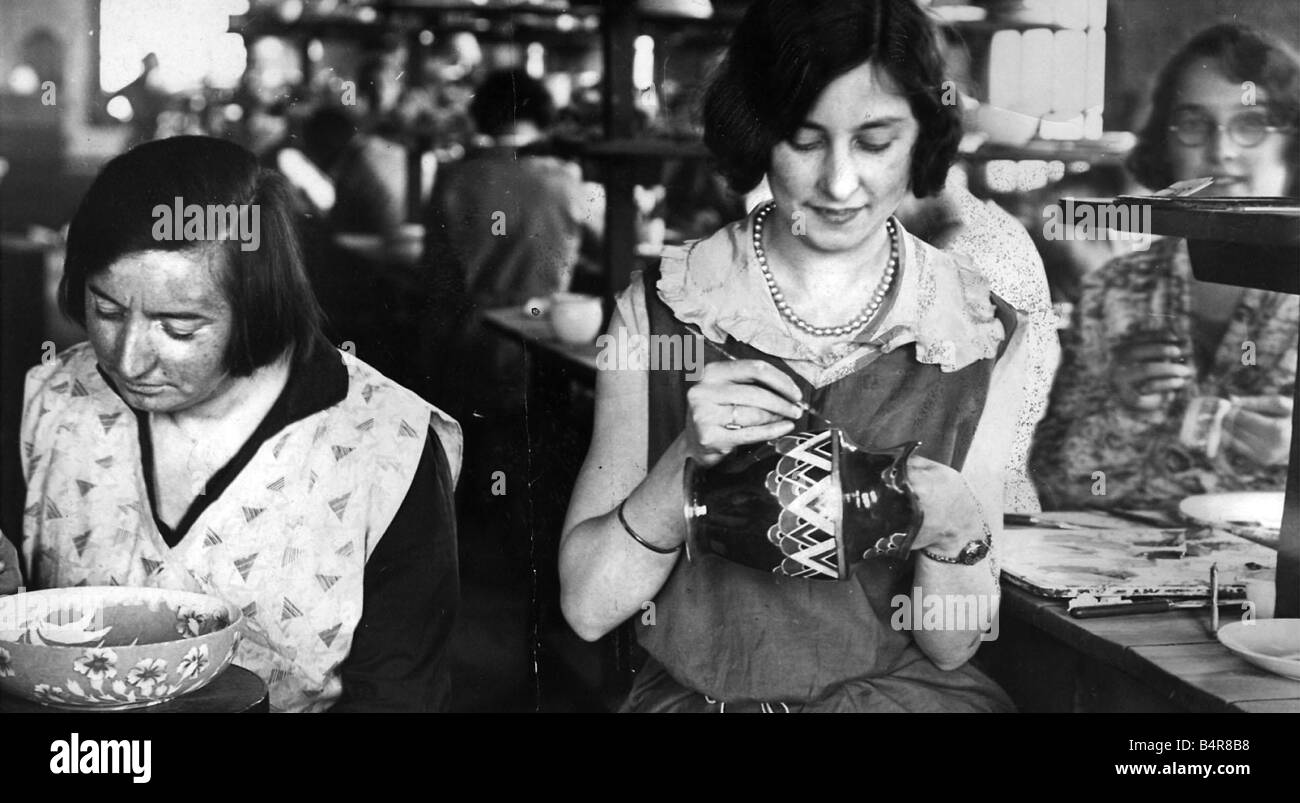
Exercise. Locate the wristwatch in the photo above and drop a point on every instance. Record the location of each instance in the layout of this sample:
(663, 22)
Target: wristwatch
(969, 555)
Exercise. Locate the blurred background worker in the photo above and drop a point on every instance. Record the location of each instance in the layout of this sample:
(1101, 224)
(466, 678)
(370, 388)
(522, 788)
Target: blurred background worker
(505, 225)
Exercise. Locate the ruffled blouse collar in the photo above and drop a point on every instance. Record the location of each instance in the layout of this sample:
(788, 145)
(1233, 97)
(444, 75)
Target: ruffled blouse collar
(938, 303)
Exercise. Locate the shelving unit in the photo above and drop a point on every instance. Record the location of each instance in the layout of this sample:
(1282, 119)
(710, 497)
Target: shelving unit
(622, 159)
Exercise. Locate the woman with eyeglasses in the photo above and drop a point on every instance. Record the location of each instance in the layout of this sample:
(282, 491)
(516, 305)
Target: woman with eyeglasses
(1172, 386)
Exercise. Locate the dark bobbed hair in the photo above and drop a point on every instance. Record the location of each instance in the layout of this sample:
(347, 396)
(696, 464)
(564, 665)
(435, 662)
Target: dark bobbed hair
(507, 96)
(785, 53)
(273, 306)
(1245, 55)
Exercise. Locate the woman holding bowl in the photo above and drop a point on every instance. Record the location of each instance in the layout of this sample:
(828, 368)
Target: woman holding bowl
(208, 438)
(1174, 386)
(826, 301)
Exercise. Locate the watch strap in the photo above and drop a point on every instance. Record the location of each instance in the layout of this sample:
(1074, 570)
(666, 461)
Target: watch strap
(970, 554)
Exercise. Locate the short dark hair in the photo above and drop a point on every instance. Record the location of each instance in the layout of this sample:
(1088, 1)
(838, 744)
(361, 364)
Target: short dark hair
(1245, 55)
(326, 134)
(783, 55)
(273, 306)
(507, 96)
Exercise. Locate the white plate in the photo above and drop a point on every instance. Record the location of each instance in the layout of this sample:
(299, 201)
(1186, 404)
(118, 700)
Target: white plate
(1272, 644)
(1252, 509)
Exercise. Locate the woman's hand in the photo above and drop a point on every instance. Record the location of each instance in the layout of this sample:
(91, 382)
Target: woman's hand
(950, 514)
(1145, 375)
(738, 403)
(10, 579)
(1259, 428)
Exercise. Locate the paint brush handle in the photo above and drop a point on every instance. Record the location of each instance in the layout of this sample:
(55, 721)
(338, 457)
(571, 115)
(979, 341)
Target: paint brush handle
(801, 404)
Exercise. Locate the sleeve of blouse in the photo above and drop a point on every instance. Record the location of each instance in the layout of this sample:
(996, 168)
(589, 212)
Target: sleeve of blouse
(631, 305)
(1043, 356)
(1000, 248)
(401, 658)
(988, 465)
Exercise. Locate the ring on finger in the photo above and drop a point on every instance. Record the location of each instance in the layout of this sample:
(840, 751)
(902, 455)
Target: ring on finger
(732, 424)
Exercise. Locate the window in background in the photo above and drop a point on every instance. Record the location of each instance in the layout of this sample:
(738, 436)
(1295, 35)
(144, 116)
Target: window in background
(535, 62)
(643, 76)
(1056, 74)
(190, 41)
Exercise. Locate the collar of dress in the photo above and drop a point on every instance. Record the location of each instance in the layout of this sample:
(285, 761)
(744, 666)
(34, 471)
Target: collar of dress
(939, 302)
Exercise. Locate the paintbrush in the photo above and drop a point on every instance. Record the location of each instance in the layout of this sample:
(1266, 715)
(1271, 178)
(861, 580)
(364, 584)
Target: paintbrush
(801, 404)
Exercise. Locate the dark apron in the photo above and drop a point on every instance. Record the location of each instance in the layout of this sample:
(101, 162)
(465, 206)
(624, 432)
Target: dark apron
(724, 633)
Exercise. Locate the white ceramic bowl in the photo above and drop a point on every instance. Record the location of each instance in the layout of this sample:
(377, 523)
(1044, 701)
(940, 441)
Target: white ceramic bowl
(1272, 644)
(113, 647)
(576, 318)
(1005, 126)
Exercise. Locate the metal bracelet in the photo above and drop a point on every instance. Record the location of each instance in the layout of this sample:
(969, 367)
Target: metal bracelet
(656, 549)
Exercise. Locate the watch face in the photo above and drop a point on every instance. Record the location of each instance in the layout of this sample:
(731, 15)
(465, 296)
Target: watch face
(974, 552)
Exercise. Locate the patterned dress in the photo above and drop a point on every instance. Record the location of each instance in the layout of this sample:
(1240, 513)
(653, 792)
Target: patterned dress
(1138, 454)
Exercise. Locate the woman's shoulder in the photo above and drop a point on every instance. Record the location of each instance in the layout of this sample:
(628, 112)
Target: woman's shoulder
(713, 284)
(943, 276)
(947, 306)
(67, 375)
(707, 263)
(74, 359)
(631, 302)
(1001, 249)
(379, 401)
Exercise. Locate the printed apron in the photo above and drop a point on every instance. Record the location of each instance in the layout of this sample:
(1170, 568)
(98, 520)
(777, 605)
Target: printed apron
(287, 541)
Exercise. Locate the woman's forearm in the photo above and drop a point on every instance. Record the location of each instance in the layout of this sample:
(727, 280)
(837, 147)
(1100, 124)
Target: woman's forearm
(605, 574)
(969, 592)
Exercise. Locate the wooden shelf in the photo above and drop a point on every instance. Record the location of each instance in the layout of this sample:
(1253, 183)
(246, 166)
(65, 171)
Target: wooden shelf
(496, 10)
(1241, 241)
(1238, 220)
(1245, 221)
(718, 21)
(265, 24)
(1049, 150)
(490, 27)
(990, 27)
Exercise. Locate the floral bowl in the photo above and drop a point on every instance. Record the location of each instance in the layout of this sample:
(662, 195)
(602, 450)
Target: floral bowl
(111, 647)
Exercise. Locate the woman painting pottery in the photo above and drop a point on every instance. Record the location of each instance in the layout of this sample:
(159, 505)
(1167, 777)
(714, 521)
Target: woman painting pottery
(827, 303)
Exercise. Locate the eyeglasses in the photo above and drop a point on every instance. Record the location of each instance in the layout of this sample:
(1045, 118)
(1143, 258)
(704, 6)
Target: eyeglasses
(1248, 129)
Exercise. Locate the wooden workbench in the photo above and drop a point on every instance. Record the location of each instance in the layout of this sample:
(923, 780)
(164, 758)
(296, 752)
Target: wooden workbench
(1159, 662)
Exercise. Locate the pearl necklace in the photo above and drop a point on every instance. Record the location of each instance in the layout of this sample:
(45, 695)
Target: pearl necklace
(860, 320)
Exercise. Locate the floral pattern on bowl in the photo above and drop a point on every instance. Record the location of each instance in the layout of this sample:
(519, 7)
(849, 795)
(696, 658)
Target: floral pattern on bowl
(113, 648)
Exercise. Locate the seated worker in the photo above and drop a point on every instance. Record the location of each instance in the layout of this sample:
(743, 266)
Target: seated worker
(1149, 341)
(368, 173)
(207, 438)
(504, 226)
